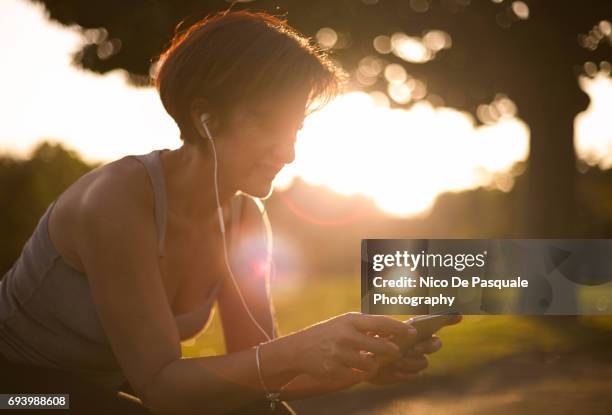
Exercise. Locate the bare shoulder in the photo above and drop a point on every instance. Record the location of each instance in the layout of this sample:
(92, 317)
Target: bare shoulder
(122, 183)
(119, 192)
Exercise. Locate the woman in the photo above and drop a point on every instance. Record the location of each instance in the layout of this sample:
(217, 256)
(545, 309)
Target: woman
(126, 263)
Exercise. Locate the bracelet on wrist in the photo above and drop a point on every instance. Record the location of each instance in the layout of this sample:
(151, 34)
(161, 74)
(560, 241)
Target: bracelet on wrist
(272, 396)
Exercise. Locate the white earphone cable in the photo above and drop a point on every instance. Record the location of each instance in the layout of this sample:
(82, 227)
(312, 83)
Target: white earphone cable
(225, 253)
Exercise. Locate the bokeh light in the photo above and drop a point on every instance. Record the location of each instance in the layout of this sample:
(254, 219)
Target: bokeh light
(382, 44)
(520, 9)
(437, 40)
(327, 37)
(395, 73)
(593, 127)
(409, 48)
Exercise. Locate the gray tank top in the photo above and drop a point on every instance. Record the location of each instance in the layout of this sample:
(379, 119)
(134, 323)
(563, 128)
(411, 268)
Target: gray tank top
(47, 316)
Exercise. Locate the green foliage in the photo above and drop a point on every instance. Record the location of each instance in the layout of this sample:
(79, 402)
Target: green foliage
(27, 187)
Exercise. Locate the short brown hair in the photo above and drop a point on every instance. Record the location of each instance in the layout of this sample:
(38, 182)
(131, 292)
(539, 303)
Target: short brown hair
(240, 56)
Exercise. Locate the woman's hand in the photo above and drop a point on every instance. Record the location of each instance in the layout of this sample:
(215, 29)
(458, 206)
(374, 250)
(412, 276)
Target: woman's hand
(407, 367)
(304, 386)
(401, 370)
(331, 351)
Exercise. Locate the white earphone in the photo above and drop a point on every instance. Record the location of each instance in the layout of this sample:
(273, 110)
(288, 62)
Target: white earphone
(203, 118)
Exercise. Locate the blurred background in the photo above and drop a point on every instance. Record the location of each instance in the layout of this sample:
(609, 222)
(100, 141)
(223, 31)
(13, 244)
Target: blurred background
(461, 119)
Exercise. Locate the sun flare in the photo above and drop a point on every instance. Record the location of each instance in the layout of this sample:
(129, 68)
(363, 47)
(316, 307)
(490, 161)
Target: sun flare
(403, 159)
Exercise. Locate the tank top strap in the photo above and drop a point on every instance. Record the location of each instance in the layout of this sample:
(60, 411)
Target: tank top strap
(152, 163)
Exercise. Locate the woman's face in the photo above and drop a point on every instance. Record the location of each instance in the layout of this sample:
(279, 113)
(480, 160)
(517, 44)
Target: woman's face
(260, 142)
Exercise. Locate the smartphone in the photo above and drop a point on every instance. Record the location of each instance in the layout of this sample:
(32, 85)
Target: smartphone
(428, 325)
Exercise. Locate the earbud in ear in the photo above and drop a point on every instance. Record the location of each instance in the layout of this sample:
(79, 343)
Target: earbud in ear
(203, 118)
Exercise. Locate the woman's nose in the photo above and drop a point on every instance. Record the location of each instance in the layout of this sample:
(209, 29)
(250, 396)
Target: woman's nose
(284, 152)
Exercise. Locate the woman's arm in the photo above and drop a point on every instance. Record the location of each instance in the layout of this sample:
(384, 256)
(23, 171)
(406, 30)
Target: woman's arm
(117, 244)
(250, 271)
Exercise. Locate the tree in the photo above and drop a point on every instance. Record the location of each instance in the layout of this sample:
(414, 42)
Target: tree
(27, 187)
